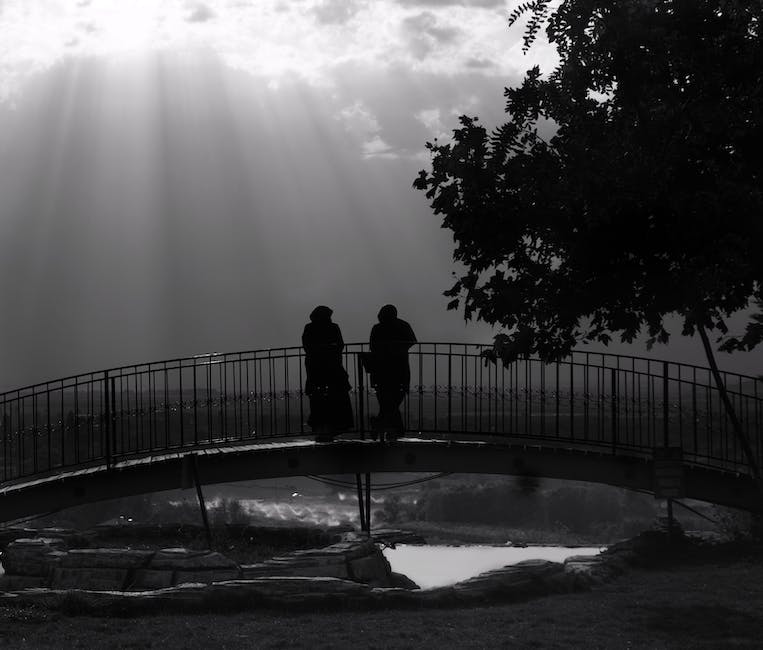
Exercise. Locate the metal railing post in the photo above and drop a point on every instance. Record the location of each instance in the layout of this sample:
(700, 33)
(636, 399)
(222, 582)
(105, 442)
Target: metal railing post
(665, 406)
(666, 437)
(450, 388)
(615, 398)
(107, 418)
(113, 426)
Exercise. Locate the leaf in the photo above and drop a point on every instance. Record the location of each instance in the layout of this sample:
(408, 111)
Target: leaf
(623, 187)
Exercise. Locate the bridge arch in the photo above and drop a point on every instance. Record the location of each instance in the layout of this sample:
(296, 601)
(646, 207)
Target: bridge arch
(593, 416)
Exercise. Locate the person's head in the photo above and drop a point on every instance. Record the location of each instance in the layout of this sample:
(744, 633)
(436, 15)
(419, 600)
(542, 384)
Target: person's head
(321, 314)
(387, 314)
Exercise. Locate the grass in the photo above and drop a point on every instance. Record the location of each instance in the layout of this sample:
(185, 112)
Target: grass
(709, 602)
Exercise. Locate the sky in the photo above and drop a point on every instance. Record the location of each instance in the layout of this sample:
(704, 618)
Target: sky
(187, 177)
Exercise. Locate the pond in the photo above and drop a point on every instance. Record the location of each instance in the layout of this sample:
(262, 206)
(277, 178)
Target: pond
(438, 566)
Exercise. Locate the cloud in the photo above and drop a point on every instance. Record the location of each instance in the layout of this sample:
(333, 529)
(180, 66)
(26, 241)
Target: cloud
(335, 12)
(87, 27)
(478, 64)
(431, 118)
(424, 34)
(378, 148)
(310, 39)
(363, 125)
(358, 119)
(486, 4)
(427, 23)
(199, 13)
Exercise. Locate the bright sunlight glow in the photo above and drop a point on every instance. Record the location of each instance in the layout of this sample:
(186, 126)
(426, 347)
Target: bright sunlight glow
(309, 39)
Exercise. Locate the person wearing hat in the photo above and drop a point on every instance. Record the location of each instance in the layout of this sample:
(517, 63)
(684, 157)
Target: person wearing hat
(327, 384)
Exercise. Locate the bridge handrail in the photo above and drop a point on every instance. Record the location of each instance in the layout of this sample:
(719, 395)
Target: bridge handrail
(353, 348)
(595, 398)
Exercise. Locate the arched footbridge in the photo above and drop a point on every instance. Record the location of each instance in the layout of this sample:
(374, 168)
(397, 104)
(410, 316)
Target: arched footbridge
(627, 421)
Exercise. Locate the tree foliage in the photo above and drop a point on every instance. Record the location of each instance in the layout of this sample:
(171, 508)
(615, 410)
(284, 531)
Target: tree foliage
(645, 201)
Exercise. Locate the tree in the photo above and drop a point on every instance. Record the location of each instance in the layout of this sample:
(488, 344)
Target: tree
(645, 201)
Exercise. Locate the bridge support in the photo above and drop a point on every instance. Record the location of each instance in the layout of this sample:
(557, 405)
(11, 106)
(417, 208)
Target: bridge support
(368, 504)
(361, 503)
(190, 475)
(364, 503)
(670, 520)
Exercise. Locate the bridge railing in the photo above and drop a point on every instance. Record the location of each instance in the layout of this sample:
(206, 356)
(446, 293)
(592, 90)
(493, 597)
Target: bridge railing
(621, 404)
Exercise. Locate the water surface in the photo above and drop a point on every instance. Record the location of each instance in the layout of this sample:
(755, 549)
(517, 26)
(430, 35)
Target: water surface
(437, 566)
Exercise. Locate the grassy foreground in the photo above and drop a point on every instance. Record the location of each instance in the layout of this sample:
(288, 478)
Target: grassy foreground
(712, 602)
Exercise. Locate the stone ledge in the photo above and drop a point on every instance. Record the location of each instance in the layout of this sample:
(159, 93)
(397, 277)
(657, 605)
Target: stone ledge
(101, 579)
(184, 559)
(134, 570)
(106, 558)
(528, 579)
(32, 556)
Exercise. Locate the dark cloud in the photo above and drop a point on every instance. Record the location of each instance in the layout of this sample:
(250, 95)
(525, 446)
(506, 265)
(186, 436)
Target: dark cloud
(478, 64)
(199, 13)
(427, 23)
(424, 32)
(335, 12)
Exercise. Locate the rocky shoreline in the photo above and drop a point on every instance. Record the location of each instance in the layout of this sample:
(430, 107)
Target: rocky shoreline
(352, 573)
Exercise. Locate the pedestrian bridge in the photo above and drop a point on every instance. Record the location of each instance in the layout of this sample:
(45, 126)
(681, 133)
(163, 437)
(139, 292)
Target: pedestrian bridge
(627, 421)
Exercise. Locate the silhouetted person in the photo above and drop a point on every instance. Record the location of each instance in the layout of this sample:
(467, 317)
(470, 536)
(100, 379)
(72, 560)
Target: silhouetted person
(391, 338)
(327, 384)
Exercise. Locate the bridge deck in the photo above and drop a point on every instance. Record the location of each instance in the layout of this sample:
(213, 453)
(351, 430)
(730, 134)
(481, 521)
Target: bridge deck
(236, 462)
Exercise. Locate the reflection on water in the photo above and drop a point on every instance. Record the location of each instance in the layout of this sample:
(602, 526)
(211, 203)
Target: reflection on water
(437, 566)
(312, 510)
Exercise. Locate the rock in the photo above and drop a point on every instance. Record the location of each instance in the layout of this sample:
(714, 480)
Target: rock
(401, 581)
(356, 560)
(17, 583)
(32, 557)
(285, 586)
(371, 568)
(67, 535)
(391, 536)
(206, 576)
(149, 579)
(149, 587)
(331, 566)
(581, 571)
(107, 558)
(85, 578)
(335, 550)
(326, 570)
(520, 580)
(181, 558)
(8, 535)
